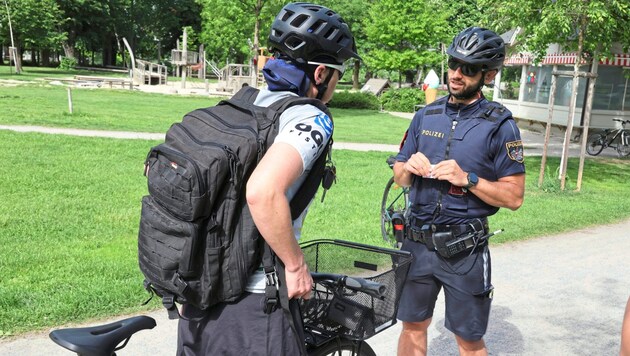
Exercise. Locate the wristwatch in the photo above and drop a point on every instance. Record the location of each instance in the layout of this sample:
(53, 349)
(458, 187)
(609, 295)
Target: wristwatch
(472, 180)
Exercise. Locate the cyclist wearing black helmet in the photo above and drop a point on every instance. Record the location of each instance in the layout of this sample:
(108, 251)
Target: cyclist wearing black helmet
(463, 160)
(311, 44)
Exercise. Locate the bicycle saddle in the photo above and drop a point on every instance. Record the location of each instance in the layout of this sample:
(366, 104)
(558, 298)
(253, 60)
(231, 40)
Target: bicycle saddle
(101, 340)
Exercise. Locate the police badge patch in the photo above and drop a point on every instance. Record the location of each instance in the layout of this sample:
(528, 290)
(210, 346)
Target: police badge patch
(515, 150)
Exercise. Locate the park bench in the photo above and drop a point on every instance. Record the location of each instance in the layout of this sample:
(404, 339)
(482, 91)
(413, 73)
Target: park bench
(124, 82)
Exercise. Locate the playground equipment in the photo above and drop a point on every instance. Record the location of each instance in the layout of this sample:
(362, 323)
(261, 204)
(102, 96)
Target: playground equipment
(231, 77)
(144, 72)
(236, 76)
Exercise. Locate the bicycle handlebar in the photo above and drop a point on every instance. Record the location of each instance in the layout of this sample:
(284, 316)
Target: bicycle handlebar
(356, 284)
(623, 122)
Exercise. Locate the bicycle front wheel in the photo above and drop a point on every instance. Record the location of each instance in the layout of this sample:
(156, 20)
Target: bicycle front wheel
(623, 150)
(595, 144)
(343, 347)
(395, 200)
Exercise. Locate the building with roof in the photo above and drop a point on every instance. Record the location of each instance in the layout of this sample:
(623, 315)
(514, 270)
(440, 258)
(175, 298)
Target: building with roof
(524, 88)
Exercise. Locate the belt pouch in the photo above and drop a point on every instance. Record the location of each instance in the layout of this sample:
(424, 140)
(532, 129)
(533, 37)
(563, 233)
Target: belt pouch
(440, 240)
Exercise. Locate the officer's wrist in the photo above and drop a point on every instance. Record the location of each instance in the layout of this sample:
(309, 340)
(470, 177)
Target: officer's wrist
(472, 180)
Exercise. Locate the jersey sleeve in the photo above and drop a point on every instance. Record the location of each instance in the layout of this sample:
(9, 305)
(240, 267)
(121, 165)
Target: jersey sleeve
(507, 142)
(410, 145)
(307, 129)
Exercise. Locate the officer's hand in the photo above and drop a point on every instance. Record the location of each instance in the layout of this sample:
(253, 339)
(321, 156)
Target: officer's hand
(299, 282)
(450, 171)
(418, 164)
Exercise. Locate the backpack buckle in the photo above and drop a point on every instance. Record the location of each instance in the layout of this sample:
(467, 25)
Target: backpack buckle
(271, 277)
(271, 304)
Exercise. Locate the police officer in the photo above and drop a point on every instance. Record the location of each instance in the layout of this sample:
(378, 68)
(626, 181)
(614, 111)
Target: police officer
(463, 159)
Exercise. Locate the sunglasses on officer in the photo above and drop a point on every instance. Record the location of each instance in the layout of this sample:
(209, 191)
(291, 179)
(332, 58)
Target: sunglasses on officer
(469, 70)
(341, 68)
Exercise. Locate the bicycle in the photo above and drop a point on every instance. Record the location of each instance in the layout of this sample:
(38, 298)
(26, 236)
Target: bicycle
(394, 210)
(341, 314)
(618, 138)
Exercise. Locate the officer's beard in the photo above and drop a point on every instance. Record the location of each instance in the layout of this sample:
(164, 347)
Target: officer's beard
(468, 92)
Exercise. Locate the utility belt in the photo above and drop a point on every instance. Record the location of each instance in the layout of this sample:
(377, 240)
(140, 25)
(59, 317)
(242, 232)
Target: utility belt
(450, 240)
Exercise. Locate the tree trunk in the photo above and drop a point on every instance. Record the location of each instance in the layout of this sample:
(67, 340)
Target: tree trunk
(355, 74)
(45, 57)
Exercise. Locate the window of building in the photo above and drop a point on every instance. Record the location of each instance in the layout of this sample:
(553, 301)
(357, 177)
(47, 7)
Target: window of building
(612, 88)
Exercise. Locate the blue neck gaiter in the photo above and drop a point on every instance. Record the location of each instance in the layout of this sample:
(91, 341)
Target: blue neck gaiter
(284, 76)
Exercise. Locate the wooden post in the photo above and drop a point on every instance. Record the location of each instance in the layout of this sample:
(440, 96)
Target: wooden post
(543, 161)
(70, 107)
(184, 59)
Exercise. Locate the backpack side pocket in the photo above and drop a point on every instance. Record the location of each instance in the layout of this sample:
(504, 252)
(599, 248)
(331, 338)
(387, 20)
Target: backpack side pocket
(167, 247)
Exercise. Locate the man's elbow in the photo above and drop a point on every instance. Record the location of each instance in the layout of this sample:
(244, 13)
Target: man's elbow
(256, 195)
(516, 203)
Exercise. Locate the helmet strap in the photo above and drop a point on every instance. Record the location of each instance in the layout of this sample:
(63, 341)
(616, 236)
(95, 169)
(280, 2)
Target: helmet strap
(323, 86)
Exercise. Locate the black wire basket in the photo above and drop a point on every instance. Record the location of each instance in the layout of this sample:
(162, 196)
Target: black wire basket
(341, 311)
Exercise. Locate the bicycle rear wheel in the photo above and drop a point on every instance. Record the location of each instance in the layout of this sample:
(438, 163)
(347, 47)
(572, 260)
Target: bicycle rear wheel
(343, 347)
(595, 144)
(395, 200)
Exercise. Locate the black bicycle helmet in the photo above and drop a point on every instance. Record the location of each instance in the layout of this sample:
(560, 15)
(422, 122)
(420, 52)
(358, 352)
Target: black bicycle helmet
(480, 46)
(306, 32)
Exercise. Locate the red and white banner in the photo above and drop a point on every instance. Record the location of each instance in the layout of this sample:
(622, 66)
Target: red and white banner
(621, 60)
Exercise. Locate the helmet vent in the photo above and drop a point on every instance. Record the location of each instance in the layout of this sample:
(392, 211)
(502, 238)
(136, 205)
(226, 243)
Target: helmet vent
(299, 20)
(286, 15)
(294, 42)
(317, 26)
(331, 33)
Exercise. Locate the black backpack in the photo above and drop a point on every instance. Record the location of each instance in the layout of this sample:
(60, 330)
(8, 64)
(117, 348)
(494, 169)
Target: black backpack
(197, 242)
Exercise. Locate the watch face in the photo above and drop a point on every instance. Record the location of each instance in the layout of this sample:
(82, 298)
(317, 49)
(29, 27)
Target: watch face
(472, 177)
(472, 180)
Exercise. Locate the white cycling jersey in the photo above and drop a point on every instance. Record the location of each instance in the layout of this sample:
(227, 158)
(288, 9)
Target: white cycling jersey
(307, 129)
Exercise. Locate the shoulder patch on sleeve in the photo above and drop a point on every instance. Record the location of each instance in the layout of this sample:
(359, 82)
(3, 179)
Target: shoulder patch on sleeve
(515, 150)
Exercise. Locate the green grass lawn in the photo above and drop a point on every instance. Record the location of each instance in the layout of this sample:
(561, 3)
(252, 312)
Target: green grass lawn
(71, 205)
(125, 110)
(38, 73)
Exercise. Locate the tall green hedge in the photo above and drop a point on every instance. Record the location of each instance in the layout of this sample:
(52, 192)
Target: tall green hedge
(402, 100)
(355, 100)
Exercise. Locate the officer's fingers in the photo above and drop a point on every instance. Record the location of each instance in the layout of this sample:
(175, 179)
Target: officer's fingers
(422, 159)
(412, 167)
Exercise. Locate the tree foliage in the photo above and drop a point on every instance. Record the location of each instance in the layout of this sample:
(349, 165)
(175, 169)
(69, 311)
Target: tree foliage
(601, 23)
(228, 30)
(33, 22)
(405, 35)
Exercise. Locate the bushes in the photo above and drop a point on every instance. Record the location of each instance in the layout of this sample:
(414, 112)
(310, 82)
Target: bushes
(402, 100)
(355, 100)
(67, 63)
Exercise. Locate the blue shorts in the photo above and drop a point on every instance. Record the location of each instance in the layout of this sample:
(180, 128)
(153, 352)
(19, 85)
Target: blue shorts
(240, 328)
(467, 289)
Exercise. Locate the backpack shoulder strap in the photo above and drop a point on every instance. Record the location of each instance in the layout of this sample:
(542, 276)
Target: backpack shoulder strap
(277, 108)
(309, 187)
(246, 94)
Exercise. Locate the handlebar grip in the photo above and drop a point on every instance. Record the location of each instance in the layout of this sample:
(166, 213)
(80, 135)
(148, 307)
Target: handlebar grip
(372, 288)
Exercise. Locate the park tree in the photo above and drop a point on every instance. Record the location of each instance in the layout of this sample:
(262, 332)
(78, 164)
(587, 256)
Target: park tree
(405, 35)
(33, 22)
(591, 28)
(231, 29)
(353, 12)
